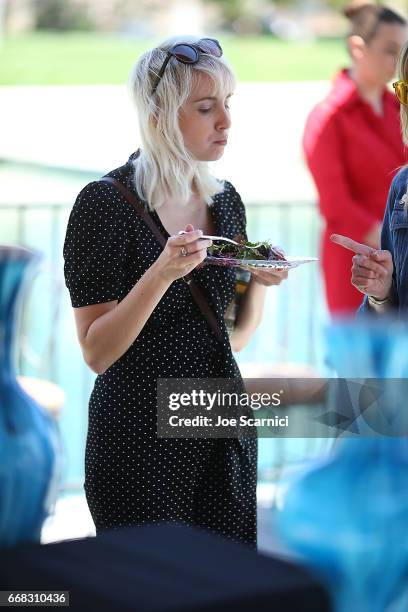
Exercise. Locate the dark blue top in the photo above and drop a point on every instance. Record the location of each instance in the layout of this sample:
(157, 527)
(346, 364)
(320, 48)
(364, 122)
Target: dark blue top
(394, 238)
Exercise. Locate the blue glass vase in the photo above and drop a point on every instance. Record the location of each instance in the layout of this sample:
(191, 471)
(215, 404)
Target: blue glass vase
(347, 515)
(29, 439)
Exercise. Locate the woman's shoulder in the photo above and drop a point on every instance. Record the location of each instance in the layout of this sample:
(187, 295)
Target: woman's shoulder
(101, 197)
(229, 200)
(340, 97)
(231, 210)
(399, 185)
(228, 193)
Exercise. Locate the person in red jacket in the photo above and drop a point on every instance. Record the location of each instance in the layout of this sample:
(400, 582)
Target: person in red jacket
(353, 145)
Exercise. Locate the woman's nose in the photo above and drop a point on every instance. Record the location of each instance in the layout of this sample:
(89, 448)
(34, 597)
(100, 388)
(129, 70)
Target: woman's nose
(223, 120)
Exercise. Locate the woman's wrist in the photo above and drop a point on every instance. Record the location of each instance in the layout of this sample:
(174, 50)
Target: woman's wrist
(378, 301)
(257, 282)
(382, 298)
(156, 271)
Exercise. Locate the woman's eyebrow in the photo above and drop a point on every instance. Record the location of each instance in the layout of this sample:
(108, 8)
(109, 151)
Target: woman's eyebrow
(209, 98)
(205, 98)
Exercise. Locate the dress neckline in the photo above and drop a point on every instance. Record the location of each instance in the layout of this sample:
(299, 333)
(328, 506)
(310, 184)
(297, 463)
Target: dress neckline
(213, 213)
(213, 209)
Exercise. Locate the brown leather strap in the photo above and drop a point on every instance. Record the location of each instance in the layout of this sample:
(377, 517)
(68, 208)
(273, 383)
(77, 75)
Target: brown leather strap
(195, 290)
(140, 209)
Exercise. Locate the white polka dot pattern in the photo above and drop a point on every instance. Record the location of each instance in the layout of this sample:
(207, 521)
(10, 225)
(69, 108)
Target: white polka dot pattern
(131, 476)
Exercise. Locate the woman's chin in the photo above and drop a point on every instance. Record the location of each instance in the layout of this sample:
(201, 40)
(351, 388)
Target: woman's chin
(213, 153)
(213, 156)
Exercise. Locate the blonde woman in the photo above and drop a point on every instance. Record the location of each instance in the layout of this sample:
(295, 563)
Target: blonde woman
(382, 275)
(136, 317)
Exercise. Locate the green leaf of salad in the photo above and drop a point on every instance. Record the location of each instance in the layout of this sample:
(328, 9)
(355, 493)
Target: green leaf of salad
(266, 251)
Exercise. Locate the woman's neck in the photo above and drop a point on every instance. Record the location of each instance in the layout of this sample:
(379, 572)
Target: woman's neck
(369, 91)
(195, 200)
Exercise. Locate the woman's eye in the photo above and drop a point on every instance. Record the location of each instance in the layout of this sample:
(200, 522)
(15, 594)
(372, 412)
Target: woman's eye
(204, 110)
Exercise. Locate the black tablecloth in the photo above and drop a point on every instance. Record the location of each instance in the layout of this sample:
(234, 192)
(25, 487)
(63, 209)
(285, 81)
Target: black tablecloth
(161, 567)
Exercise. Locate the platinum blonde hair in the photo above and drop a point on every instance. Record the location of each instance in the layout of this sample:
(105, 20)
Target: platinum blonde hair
(165, 168)
(402, 72)
(403, 76)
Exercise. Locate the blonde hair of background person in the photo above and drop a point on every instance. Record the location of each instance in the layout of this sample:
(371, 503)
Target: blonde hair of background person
(403, 76)
(165, 167)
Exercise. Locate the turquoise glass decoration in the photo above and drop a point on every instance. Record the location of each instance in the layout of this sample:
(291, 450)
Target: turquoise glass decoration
(347, 515)
(29, 439)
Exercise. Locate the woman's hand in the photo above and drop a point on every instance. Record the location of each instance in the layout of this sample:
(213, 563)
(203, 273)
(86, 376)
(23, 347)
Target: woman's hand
(268, 276)
(372, 269)
(182, 254)
(373, 237)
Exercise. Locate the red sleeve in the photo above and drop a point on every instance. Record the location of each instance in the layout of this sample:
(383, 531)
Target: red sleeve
(322, 147)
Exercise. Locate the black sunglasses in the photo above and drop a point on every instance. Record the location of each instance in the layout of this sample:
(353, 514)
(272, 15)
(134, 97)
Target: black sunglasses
(189, 53)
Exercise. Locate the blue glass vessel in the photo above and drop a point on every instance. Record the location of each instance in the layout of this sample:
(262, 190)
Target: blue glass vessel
(347, 515)
(29, 440)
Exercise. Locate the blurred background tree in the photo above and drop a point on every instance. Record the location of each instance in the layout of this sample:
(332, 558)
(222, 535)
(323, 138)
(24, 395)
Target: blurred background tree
(151, 16)
(61, 15)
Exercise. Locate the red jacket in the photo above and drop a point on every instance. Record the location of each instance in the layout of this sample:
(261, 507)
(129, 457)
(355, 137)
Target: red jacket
(353, 154)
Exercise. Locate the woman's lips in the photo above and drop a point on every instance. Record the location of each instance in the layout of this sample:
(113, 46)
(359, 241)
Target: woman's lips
(221, 142)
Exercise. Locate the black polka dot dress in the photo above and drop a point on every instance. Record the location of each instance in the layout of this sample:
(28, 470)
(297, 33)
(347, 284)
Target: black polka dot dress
(131, 476)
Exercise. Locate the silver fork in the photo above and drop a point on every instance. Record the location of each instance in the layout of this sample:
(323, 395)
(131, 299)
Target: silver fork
(204, 237)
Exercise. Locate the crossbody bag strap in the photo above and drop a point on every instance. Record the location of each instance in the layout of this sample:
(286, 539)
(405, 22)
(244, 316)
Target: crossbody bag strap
(140, 209)
(195, 290)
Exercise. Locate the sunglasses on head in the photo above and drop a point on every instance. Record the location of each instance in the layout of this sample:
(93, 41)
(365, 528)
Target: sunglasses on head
(189, 53)
(401, 91)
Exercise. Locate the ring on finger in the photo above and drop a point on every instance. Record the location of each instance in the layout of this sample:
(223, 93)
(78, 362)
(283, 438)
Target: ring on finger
(183, 252)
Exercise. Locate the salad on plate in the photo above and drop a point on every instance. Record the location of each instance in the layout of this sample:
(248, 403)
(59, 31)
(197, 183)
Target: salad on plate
(265, 255)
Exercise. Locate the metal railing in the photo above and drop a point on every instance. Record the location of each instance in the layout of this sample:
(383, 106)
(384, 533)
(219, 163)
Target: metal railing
(48, 346)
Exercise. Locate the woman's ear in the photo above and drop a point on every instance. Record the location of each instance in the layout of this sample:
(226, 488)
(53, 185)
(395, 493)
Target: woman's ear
(356, 46)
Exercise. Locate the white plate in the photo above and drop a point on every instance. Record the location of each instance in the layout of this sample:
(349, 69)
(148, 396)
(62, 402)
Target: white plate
(291, 262)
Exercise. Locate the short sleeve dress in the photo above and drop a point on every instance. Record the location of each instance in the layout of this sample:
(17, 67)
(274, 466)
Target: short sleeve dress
(133, 477)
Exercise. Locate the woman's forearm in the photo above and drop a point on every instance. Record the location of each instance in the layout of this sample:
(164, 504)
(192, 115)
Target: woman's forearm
(249, 316)
(110, 335)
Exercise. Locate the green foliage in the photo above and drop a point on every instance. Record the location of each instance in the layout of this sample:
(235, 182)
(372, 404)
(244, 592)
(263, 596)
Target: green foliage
(230, 9)
(60, 15)
(336, 4)
(49, 58)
